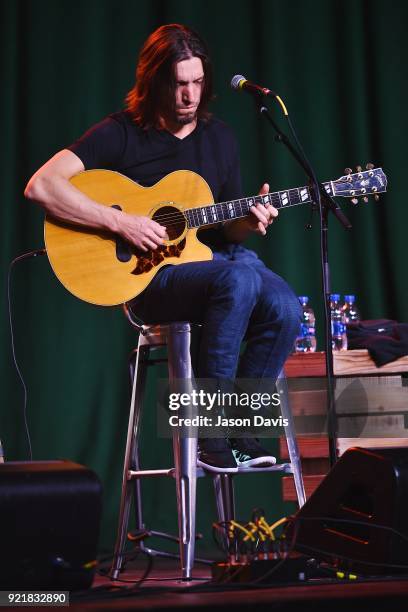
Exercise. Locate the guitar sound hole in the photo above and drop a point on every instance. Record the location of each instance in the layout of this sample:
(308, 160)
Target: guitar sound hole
(172, 219)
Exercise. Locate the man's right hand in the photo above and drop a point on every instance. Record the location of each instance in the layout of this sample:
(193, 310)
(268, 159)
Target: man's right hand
(142, 232)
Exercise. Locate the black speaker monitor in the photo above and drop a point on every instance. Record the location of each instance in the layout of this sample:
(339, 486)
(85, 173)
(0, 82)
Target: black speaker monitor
(358, 515)
(49, 525)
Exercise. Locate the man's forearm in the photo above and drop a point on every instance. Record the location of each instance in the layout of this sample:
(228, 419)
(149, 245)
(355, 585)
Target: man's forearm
(62, 200)
(237, 231)
(51, 188)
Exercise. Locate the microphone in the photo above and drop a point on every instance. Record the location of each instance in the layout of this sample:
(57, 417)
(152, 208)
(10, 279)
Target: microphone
(240, 82)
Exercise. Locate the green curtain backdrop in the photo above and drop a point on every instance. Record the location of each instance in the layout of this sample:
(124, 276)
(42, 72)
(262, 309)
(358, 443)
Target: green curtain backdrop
(340, 68)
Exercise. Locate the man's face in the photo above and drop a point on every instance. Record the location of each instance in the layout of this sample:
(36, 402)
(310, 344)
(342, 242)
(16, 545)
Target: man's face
(189, 75)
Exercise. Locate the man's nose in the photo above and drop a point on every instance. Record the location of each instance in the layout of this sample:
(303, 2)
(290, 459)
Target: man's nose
(188, 94)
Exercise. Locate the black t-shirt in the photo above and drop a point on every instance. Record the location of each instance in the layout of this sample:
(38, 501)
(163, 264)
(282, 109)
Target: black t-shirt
(147, 155)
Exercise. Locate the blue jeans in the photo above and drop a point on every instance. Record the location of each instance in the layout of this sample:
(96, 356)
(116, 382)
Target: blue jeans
(235, 297)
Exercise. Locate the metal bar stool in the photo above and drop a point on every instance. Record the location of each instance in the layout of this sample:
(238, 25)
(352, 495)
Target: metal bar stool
(177, 337)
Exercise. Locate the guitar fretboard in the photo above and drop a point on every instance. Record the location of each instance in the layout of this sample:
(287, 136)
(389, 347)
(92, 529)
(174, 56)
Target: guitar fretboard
(235, 209)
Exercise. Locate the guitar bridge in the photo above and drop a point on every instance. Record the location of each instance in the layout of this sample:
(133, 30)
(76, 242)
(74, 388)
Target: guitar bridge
(151, 259)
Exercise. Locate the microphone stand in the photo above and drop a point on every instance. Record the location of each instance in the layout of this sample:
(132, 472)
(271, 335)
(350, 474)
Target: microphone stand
(325, 204)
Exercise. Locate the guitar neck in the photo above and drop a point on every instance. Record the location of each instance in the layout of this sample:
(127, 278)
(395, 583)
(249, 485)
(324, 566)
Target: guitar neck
(236, 209)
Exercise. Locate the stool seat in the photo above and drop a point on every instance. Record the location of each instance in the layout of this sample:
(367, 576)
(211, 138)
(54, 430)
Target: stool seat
(176, 336)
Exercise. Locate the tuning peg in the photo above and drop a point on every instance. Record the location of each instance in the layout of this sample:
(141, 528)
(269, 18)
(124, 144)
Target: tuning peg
(347, 171)
(354, 200)
(376, 197)
(365, 199)
(358, 168)
(369, 166)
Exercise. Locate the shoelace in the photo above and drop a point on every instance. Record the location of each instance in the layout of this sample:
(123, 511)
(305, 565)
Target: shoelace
(240, 456)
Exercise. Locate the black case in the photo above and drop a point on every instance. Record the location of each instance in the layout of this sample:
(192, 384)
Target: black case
(49, 525)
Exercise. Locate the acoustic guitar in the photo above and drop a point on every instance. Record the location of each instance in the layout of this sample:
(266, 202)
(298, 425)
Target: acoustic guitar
(103, 269)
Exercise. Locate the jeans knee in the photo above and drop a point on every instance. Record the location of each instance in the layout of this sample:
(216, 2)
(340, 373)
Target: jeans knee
(291, 313)
(284, 308)
(239, 281)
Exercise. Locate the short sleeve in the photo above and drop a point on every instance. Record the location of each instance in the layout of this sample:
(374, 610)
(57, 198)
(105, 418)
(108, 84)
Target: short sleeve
(101, 146)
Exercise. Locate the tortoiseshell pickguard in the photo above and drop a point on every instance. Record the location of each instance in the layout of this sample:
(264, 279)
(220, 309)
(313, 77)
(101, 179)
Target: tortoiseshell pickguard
(147, 261)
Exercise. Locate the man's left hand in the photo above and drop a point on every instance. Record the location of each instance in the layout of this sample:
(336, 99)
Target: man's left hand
(257, 221)
(262, 215)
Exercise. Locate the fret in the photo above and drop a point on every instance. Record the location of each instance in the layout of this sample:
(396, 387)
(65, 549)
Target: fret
(304, 194)
(329, 188)
(199, 215)
(299, 199)
(204, 213)
(284, 198)
(213, 213)
(222, 211)
(275, 200)
(189, 217)
(293, 197)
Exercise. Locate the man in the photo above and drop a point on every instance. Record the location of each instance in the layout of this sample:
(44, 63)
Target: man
(165, 127)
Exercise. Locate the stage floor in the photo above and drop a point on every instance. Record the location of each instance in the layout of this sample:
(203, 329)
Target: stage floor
(163, 590)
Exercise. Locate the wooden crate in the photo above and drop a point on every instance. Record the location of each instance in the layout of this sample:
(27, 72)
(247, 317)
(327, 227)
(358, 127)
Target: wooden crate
(381, 393)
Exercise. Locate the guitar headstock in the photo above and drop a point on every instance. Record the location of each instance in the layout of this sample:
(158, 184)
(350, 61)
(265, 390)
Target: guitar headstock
(371, 181)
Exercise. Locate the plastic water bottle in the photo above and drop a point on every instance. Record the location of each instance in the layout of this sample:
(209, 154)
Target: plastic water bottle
(350, 310)
(306, 341)
(338, 326)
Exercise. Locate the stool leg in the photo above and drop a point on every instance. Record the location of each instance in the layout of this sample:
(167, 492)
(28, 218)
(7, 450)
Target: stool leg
(139, 370)
(291, 441)
(225, 501)
(185, 449)
(224, 496)
(130, 463)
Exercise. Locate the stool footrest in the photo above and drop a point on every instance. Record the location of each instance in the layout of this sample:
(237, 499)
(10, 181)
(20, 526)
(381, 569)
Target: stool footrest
(149, 473)
(165, 472)
(280, 467)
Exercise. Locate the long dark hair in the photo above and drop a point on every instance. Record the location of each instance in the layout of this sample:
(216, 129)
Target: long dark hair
(154, 91)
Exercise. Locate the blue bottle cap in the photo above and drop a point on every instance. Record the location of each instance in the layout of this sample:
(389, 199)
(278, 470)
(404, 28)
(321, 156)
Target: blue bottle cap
(335, 297)
(350, 298)
(303, 299)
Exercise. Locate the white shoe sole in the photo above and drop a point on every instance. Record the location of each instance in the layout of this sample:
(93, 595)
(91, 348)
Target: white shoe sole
(219, 470)
(267, 461)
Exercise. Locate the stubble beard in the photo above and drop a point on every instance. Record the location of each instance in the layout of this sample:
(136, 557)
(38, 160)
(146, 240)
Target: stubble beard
(186, 118)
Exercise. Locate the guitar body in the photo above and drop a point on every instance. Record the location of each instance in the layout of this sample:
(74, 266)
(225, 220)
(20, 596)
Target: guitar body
(100, 268)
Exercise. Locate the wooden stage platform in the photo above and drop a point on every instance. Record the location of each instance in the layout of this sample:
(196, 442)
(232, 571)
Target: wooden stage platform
(164, 591)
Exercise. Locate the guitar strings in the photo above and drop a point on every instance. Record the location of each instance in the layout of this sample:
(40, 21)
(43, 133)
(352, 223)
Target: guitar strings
(274, 197)
(173, 216)
(223, 206)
